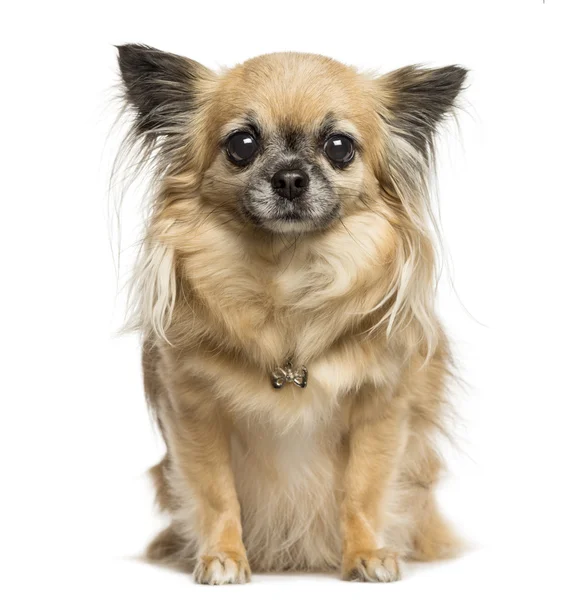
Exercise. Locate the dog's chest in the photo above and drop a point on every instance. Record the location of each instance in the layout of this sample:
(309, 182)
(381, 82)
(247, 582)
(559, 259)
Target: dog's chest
(288, 488)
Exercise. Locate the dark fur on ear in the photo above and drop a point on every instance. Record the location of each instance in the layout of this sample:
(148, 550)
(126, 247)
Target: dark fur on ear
(417, 99)
(160, 87)
(162, 92)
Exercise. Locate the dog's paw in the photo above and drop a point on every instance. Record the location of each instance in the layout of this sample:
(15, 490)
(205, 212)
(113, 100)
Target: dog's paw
(371, 565)
(222, 567)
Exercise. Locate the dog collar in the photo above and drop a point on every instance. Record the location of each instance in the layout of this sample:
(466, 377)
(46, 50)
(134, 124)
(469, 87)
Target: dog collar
(287, 374)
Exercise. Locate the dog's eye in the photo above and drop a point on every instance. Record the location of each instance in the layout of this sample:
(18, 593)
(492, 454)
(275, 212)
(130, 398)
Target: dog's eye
(241, 147)
(339, 149)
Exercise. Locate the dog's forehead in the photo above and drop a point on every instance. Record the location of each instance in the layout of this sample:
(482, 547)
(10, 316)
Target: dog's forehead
(293, 91)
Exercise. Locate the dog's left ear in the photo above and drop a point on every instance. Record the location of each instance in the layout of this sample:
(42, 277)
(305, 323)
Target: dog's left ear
(162, 88)
(414, 100)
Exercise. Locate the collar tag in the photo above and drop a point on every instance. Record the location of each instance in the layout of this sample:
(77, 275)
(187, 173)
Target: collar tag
(287, 374)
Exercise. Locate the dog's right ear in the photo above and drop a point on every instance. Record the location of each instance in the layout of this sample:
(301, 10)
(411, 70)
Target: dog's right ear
(415, 100)
(161, 87)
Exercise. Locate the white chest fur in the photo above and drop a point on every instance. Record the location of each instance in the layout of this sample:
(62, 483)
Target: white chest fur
(288, 488)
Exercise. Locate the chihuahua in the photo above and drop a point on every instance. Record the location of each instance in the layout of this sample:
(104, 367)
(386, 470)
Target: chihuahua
(284, 292)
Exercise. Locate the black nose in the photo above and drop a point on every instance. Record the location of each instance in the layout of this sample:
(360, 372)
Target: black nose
(290, 183)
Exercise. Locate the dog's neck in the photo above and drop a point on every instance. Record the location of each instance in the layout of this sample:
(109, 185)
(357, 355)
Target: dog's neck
(287, 297)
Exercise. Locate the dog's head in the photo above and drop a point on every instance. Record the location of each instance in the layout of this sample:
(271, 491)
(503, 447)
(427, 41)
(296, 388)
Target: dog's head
(290, 145)
(289, 142)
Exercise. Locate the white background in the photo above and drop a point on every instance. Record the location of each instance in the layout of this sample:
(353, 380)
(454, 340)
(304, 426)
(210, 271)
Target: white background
(76, 507)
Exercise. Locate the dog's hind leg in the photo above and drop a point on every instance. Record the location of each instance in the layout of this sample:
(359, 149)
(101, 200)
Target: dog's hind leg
(168, 547)
(434, 538)
(158, 474)
(171, 550)
(165, 546)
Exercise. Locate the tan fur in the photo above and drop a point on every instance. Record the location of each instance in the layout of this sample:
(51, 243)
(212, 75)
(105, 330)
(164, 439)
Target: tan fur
(339, 475)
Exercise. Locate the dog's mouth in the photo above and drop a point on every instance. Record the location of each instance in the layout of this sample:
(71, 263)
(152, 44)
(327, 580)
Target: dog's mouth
(294, 219)
(291, 222)
(287, 216)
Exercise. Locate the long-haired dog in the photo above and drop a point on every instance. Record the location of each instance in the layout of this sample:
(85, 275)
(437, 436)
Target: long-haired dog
(285, 294)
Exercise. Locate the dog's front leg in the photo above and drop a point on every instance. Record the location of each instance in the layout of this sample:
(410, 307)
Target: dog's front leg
(377, 436)
(198, 437)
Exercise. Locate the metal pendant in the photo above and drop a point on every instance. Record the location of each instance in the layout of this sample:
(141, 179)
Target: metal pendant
(286, 374)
